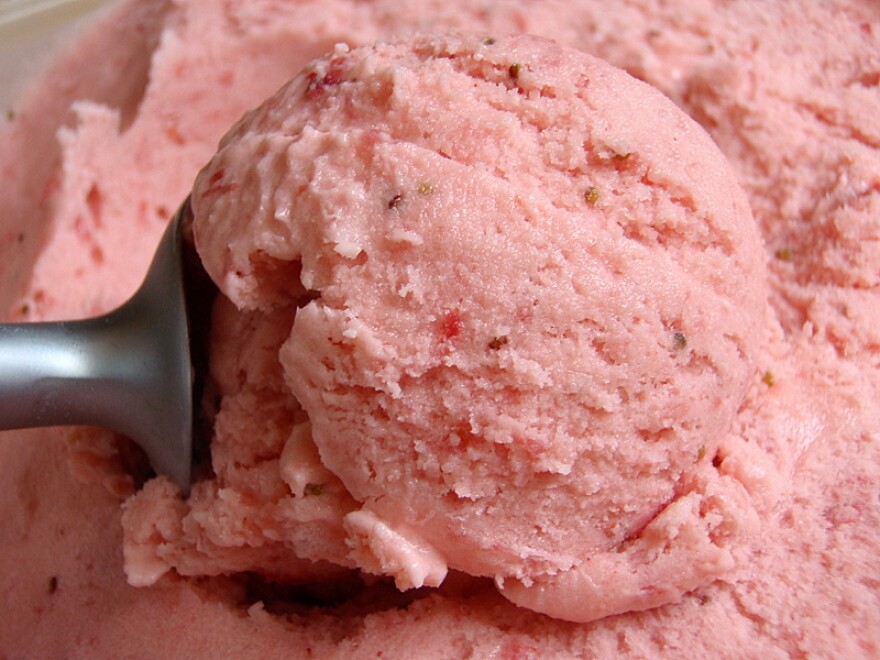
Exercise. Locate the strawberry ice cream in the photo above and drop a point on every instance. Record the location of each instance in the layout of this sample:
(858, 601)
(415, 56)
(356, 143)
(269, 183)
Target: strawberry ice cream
(504, 367)
(517, 298)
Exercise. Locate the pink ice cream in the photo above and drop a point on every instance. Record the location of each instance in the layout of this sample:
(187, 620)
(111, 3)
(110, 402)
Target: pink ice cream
(757, 532)
(518, 296)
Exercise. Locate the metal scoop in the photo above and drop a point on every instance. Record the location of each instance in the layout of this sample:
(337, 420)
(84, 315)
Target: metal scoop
(130, 370)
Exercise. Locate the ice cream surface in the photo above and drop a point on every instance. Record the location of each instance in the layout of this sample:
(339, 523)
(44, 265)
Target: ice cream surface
(520, 296)
(495, 310)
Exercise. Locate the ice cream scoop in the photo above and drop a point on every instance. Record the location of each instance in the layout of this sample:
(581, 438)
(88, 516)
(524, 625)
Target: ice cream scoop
(130, 370)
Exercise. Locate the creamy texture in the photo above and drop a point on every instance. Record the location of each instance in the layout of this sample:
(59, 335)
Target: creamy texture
(787, 92)
(531, 296)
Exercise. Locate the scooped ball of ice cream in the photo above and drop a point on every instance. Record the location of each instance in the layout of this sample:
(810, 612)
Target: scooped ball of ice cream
(528, 298)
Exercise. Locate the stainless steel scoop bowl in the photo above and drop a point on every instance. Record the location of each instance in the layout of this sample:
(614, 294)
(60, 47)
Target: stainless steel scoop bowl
(130, 370)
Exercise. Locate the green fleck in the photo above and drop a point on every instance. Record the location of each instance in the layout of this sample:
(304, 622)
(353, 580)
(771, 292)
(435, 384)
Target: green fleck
(10, 114)
(784, 254)
(313, 489)
(591, 196)
(488, 41)
(679, 341)
(425, 188)
(701, 452)
(768, 379)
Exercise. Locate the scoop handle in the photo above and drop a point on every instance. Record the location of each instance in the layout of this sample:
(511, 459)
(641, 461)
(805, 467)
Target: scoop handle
(129, 370)
(60, 373)
(113, 371)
